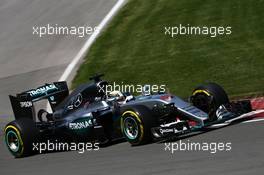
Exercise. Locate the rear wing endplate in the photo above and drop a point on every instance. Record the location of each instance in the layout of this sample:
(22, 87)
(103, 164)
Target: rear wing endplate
(22, 104)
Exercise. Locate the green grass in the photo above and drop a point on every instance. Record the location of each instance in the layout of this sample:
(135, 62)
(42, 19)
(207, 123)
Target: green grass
(134, 50)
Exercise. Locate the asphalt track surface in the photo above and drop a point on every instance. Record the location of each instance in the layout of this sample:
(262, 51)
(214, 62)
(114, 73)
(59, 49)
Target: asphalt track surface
(27, 61)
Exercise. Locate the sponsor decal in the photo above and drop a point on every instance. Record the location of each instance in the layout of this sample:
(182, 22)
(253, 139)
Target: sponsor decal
(26, 104)
(78, 101)
(164, 131)
(81, 124)
(42, 90)
(172, 130)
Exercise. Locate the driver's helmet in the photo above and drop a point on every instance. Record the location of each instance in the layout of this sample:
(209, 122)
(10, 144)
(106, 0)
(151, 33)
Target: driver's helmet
(117, 95)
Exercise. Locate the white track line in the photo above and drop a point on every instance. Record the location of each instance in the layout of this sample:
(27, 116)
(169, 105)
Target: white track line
(80, 55)
(241, 117)
(246, 115)
(90, 41)
(254, 120)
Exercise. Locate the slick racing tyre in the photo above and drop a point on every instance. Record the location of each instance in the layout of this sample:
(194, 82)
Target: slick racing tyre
(136, 124)
(19, 137)
(208, 98)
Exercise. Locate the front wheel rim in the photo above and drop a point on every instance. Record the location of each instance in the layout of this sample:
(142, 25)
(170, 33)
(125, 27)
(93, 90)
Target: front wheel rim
(131, 128)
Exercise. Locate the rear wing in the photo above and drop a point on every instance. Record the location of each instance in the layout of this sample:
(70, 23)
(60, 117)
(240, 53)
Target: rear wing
(22, 104)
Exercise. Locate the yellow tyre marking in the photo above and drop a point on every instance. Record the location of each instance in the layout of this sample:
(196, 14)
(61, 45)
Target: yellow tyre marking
(139, 120)
(19, 136)
(201, 91)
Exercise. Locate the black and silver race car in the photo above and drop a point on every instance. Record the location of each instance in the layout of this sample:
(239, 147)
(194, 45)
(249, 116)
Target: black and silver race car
(90, 114)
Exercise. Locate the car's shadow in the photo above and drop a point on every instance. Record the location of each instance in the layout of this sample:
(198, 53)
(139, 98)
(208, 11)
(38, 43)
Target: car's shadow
(161, 141)
(101, 146)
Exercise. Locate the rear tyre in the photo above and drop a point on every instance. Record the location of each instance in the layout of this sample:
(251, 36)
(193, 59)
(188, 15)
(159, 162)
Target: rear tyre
(208, 98)
(19, 137)
(136, 124)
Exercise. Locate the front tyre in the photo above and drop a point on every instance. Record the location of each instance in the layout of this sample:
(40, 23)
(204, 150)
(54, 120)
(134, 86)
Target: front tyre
(136, 124)
(19, 137)
(208, 98)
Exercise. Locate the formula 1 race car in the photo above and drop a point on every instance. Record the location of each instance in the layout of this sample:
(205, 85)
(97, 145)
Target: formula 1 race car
(91, 114)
